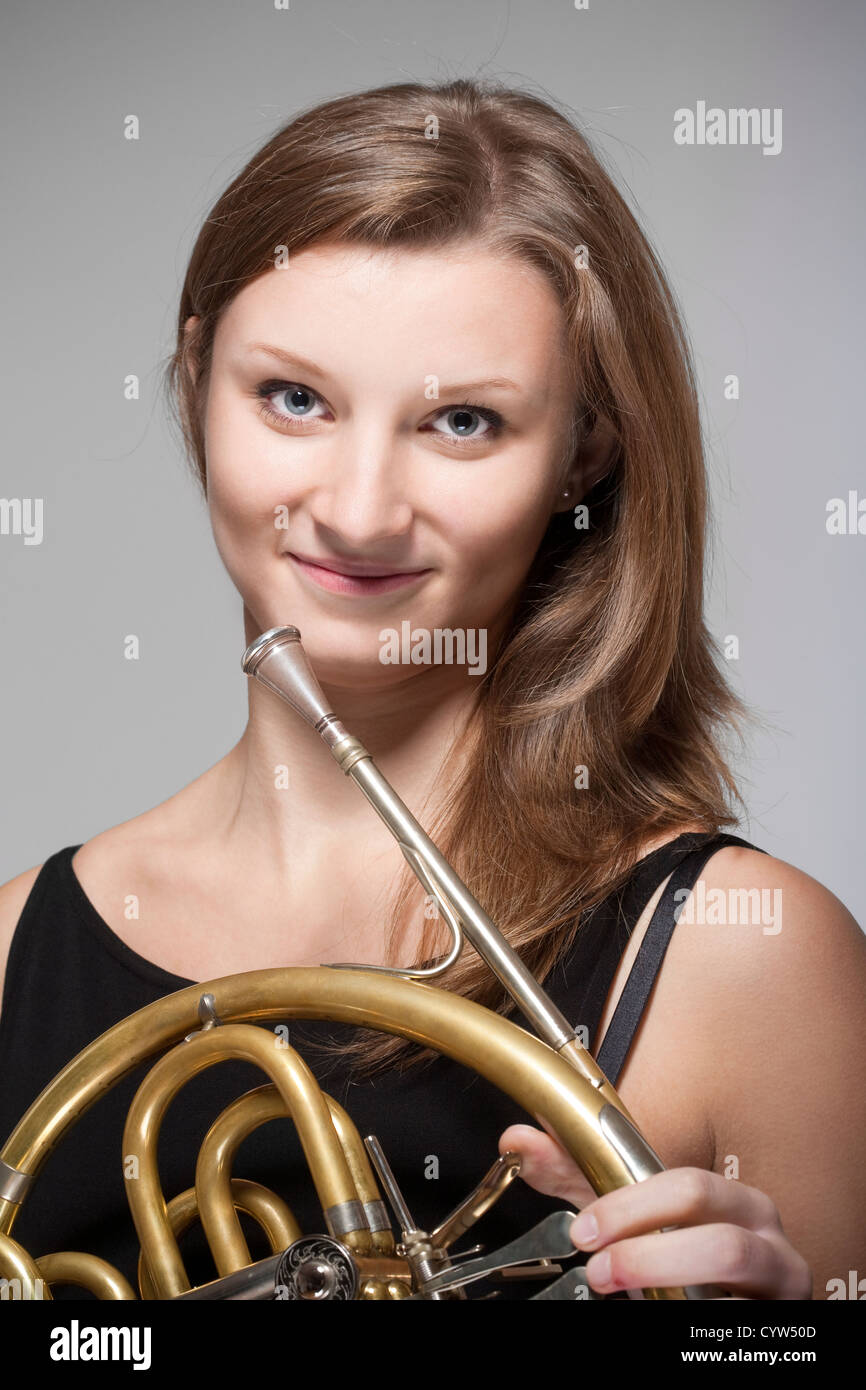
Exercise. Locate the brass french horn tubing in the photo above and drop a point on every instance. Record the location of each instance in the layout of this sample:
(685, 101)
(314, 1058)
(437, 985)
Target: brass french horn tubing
(88, 1272)
(305, 1103)
(19, 1267)
(213, 1180)
(268, 1209)
(540, 1081)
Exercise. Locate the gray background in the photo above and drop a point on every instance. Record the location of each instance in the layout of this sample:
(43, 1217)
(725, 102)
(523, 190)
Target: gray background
(765, 254)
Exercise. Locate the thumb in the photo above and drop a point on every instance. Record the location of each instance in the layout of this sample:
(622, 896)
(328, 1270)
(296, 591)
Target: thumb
(546, 1166)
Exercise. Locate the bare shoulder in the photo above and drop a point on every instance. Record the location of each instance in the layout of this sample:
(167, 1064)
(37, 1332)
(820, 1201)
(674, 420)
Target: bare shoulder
(139, 854)
(136, 857)
(13, 896)
(111, 853)
(752, 920)
(778, 964)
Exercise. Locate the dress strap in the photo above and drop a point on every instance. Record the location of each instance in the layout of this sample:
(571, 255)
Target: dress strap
(642, 976)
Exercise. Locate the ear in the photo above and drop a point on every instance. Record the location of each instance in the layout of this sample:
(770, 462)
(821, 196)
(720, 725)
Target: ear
(190, 329)
(594, 458)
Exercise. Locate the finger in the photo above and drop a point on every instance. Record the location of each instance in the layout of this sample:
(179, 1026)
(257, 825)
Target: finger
(675, 1197)
(733, 1257)
(546, 1166)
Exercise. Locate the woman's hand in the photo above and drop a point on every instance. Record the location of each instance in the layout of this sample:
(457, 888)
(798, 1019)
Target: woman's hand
(731, 1234)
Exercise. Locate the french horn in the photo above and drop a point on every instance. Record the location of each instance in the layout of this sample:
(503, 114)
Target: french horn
(355, 1255)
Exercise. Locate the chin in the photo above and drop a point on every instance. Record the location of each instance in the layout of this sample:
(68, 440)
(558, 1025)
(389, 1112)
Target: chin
(338, 670)
(343, 650)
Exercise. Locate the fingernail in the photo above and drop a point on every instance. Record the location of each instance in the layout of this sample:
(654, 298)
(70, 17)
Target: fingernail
(584, 1230)
(598, 1270)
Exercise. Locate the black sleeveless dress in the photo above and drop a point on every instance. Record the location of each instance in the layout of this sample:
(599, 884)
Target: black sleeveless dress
(69, 978)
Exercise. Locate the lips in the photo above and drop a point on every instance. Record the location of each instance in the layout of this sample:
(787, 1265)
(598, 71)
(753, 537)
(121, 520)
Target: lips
(363, 569)
(343, 577)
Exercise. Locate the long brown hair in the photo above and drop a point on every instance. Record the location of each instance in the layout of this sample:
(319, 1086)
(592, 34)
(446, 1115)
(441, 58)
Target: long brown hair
(607, 663)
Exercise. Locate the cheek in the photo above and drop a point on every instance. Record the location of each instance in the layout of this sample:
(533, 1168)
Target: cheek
(243, 484)
(241, 511)
(242, 521)
(498, 536)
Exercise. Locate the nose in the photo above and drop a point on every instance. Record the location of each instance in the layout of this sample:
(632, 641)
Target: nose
(361, 493)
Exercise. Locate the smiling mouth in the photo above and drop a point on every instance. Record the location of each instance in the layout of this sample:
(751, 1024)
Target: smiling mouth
(338, 582)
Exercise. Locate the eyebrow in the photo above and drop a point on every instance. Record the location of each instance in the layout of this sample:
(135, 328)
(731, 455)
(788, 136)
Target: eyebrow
(292, 359)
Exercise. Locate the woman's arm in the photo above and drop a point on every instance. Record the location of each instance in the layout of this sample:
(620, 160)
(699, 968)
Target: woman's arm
(779, 1016)
(788, 1108)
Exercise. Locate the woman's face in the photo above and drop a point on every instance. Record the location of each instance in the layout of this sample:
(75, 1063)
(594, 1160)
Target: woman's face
(373, 412)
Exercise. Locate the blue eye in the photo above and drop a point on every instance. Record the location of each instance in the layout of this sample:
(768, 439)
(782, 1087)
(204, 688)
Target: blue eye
(296, 400)
(465, 421)
(468, 421)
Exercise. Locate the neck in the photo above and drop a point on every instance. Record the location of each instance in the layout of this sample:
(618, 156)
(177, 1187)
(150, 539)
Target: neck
(278, 794)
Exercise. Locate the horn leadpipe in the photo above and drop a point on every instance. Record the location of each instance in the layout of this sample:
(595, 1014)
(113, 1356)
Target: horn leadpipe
(278, 661)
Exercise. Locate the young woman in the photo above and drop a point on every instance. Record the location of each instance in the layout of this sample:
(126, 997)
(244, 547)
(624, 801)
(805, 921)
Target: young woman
(429, 372)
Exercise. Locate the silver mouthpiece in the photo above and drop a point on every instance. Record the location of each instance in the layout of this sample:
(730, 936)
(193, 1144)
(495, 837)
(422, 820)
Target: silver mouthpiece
(278, 660)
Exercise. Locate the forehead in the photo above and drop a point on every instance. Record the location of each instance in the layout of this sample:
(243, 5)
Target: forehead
(411, 311)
